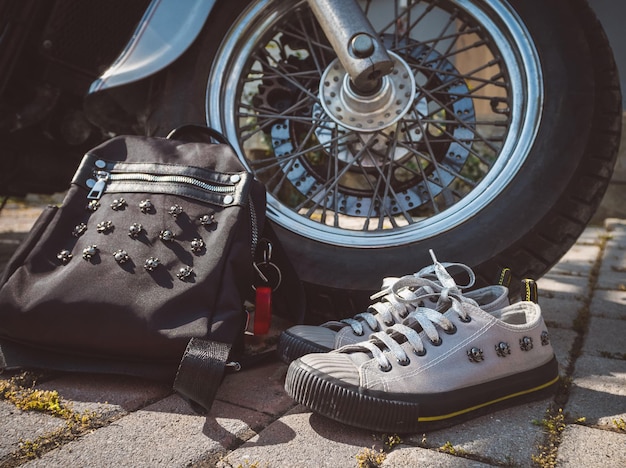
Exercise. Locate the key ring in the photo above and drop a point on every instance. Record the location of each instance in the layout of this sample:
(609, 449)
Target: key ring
(267, 260)
(264, 278)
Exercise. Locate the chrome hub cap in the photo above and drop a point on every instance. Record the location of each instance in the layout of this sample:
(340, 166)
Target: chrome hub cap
(367, 113)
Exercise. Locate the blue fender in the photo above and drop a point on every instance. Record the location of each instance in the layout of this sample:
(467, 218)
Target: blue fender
(166, 30)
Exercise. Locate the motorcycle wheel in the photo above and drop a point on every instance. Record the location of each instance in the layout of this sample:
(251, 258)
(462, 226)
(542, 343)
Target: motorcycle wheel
(494, 146)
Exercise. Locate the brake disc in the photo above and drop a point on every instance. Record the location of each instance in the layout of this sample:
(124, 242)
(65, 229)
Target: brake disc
(365, 134)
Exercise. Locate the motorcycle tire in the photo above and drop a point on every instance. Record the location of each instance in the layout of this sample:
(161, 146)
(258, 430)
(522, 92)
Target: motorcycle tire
(506, 165)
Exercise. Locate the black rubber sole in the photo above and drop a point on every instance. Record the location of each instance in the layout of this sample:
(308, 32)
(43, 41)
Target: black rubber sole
(291, 347)
(401, 413)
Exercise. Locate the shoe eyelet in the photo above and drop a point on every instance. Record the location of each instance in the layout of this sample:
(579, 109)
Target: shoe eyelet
(420, 353)
(466, 319)
(389, 323)
(361, 333)
(437, 342)
(403, 315)
(450, 331)
(385, 368)
(404, 362)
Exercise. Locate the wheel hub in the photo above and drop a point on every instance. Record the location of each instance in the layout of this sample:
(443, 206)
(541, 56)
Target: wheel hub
(367, 112)
(379, 152)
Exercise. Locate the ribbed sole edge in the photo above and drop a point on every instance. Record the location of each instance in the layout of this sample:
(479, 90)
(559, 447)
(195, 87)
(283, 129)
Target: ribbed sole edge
(353, 408)
(292, 347)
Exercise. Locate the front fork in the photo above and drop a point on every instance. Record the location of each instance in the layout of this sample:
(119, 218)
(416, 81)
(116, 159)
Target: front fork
(357, 45)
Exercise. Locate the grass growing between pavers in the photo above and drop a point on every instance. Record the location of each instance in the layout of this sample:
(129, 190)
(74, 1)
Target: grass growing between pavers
(553, 425)
(452, 450)
(556, 419)
(20, 391)
(372, 458)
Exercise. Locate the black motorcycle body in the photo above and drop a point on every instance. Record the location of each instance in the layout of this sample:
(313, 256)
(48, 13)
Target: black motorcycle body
(490, 137)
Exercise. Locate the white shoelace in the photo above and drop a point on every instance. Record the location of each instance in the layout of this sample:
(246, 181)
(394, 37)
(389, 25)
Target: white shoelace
(400, 296)
(428, 320)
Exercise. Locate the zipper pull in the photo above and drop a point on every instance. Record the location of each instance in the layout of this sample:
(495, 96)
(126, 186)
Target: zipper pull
(98, 187)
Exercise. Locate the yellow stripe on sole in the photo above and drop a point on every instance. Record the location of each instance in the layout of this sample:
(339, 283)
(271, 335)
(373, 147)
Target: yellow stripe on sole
(473, 408)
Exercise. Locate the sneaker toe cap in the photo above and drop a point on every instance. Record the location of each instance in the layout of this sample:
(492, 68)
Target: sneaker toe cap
(319, 335)
(336, 365)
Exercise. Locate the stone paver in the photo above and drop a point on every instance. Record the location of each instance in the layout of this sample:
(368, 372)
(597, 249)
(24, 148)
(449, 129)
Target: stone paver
(598, 391)
(570, 287)
(609, 304)
(612, 273)
(105, 394)
(18, 426)
(578, 261)
(562, 341)
(167, 433)
(260, 388)
(558, 311)
(606, 337)
(616, 231)
(300, 438)
(583, 446)
(508, 436)
(410, 457)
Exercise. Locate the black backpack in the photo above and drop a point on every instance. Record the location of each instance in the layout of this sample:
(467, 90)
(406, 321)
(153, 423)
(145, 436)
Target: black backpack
(145, 268)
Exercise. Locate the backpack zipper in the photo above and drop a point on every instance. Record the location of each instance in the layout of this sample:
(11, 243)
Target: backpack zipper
(104, 177)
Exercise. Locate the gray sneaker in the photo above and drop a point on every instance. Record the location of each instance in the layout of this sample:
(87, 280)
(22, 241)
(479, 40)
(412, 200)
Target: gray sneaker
(435, 370)
(398, 297)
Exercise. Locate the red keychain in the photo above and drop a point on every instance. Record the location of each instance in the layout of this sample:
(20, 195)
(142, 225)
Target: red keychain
(268, 274)
(263, 310)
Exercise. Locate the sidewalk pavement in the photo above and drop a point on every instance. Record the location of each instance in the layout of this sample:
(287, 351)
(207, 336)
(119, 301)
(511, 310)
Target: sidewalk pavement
(119, 421)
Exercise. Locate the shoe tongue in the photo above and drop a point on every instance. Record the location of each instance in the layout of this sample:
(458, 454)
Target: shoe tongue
(334, 325)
